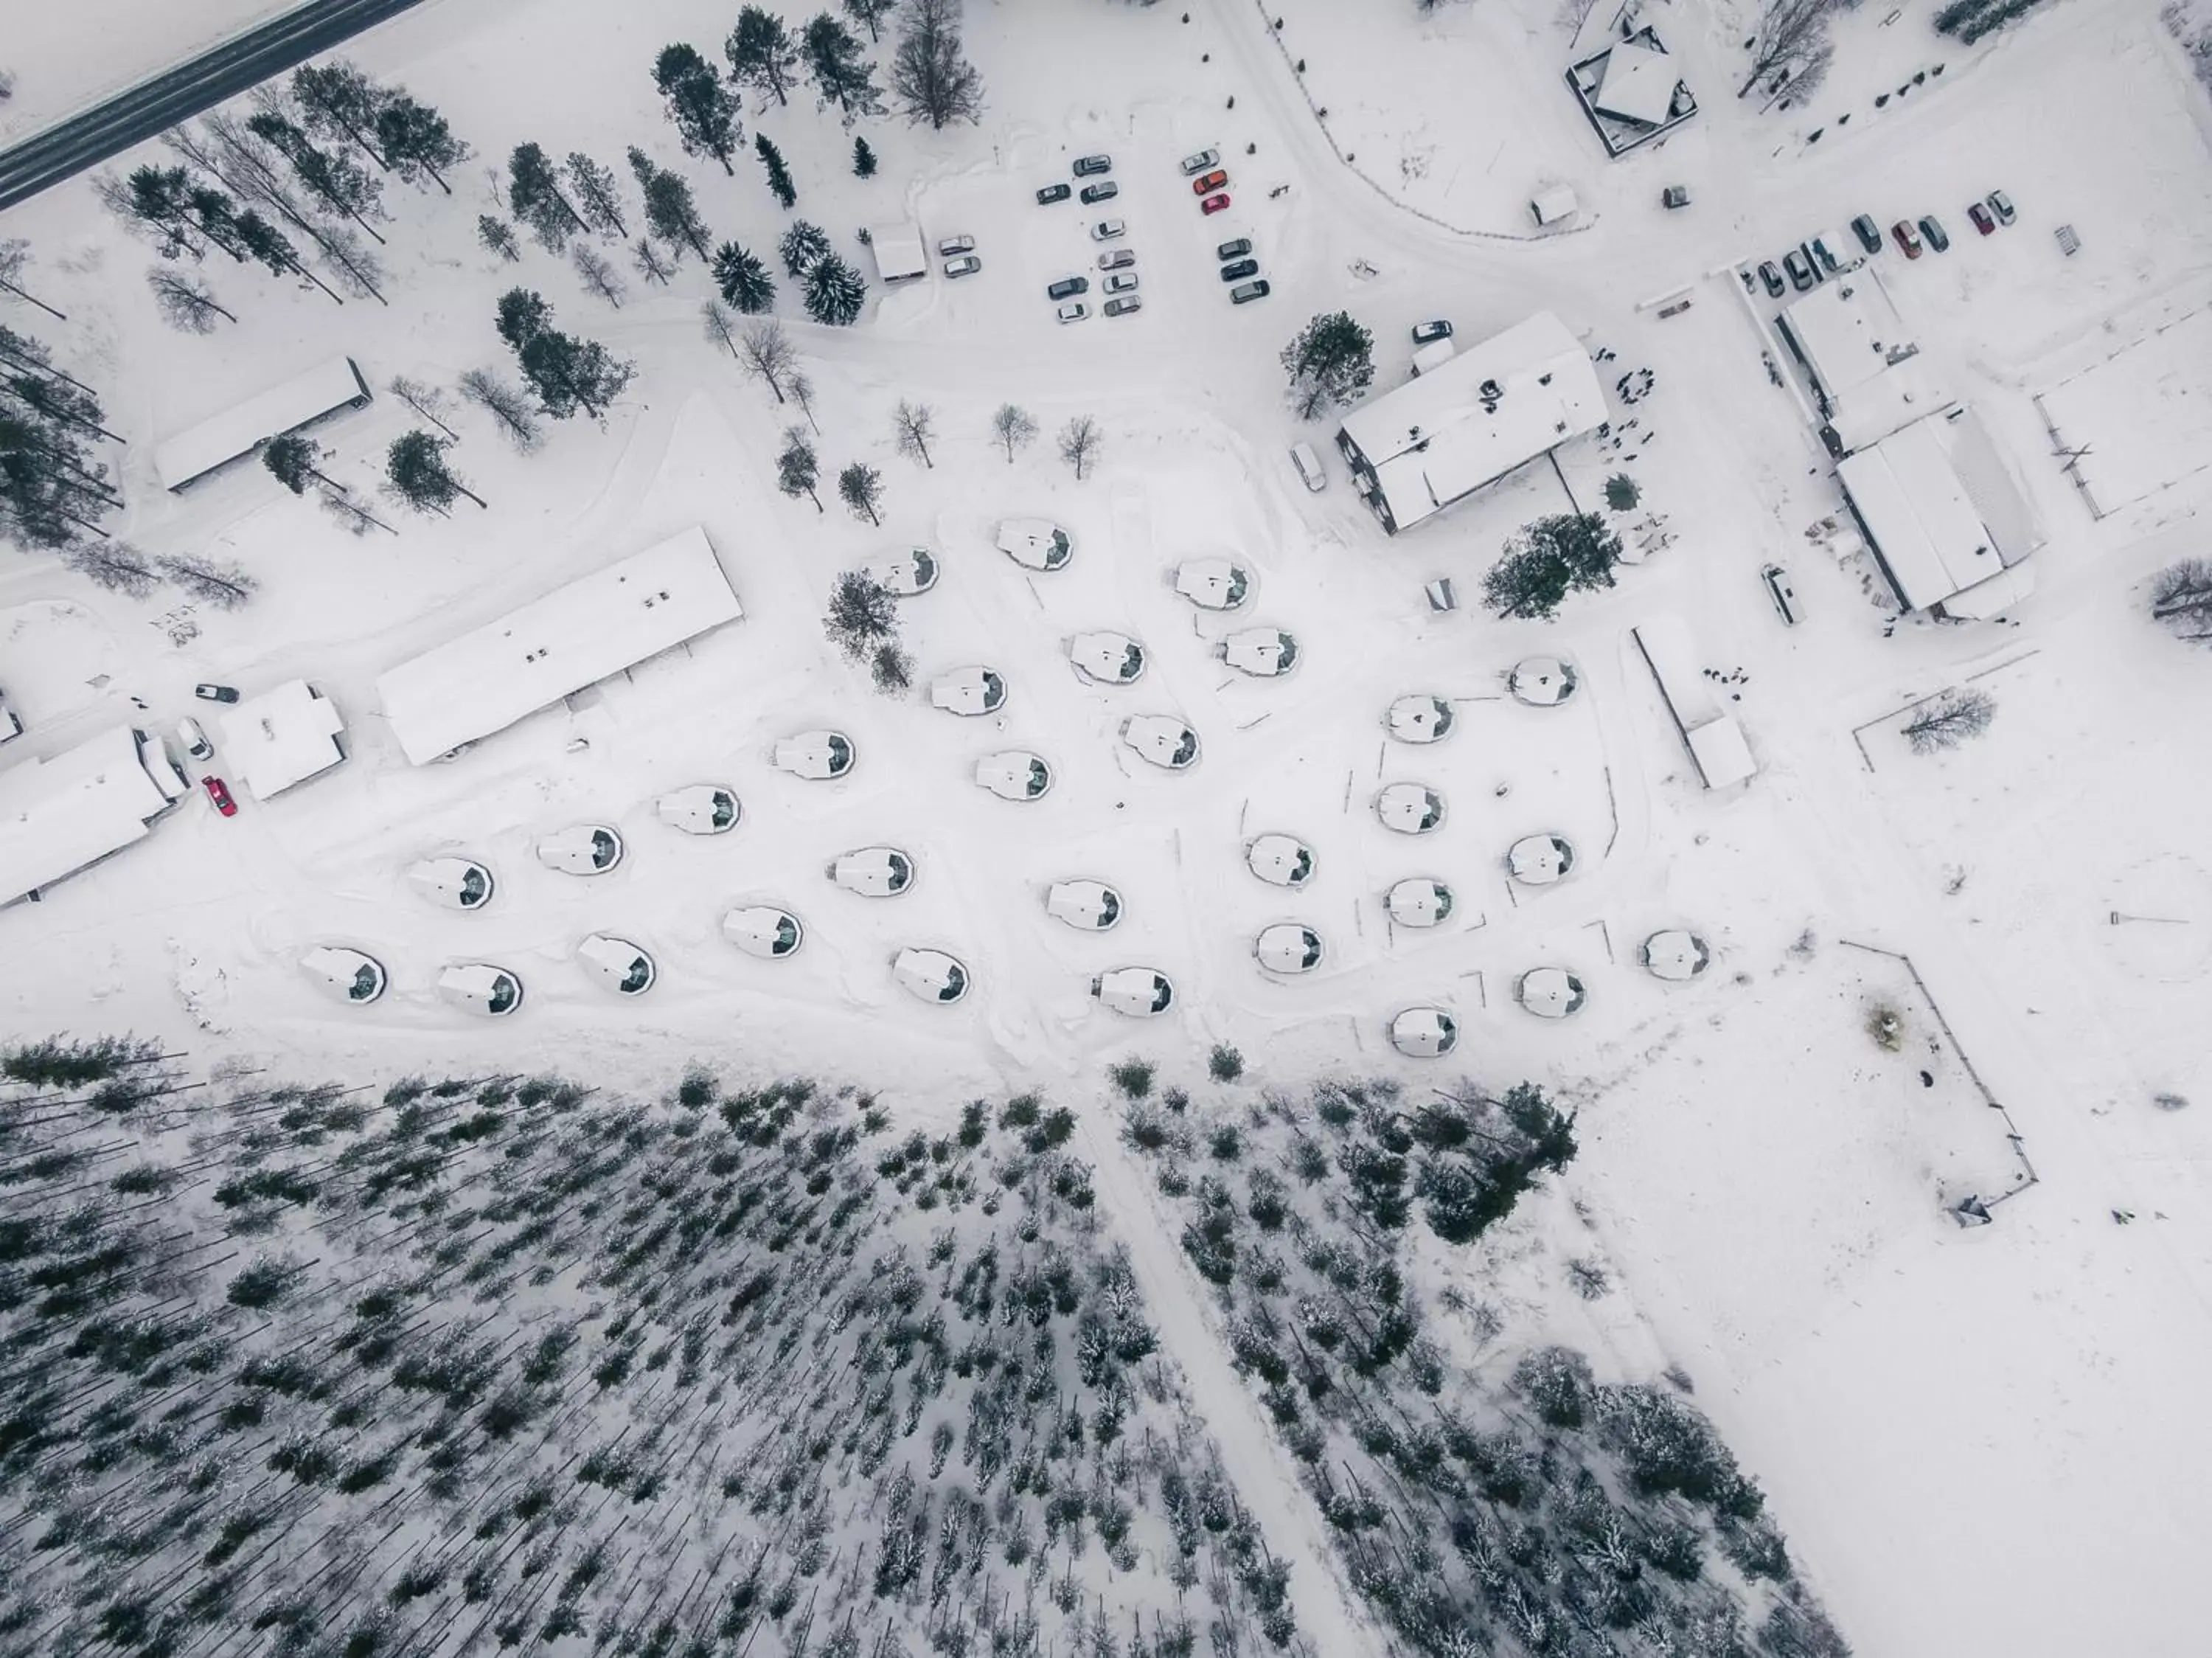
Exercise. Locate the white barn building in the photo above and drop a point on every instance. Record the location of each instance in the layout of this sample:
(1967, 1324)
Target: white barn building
(1868, 375)
(576, 636)
(282, 737)
(1466, 422)
(1944, 516)
(59, 814)
(240, 430)
(899, 253)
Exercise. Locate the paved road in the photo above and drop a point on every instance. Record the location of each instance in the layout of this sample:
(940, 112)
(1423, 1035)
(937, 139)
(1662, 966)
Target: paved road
(132, 116)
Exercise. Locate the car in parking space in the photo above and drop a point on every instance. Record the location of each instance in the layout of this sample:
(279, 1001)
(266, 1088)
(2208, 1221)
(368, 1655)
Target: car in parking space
(1068, 287)
(1233, 249)
(1932, 227)
(219, 792)
(1095, 193)
(1117, 258)
(1784, 596)
(1867, 231)
(1121, 281)
(1209, 183)
(1054, 193)
(1907, 239)
(1309, 470)
(216, 694)
(1801, 273)
(1425, 333)
(1087, 165)
(195, 741)
(1248, 292)
(1074, 311)
(1123, 305)
(2001, 205)
(1978, 215)
(1213, 204)
(1771, 278)
(1200, 163)
(1240, 269)
(966, 265)
(1107, 230)
(952, 245)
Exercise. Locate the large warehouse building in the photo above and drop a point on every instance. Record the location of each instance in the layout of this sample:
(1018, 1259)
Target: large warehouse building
(554, 647)
(1868, 375)
(59, 814)
(1495, 406)
(1944, 516)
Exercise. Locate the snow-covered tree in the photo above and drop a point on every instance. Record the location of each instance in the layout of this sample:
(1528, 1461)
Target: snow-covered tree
(497, 236)
(427, 400)
(841, 72)
(185, 301)
(670, 213)
(211, 581)
(930, 77)
(804, 247)
(864, 160)
(1792, 34)
(594, 270)
(651, 263)
(508, 406)
(14, 254)
(1078, 444)
(331, 177)
(535, 198)
(778, 175)
(416, 467)
(1547, 560)
(338, 101)
(417, 142)
(566, 373)
(742, 279)
(836, 293)
(861, 486)
(703, 109)
(2181, 597)
(869, 14)
(768, 354)
(761, 51)
(863, 614)
(1330, 362)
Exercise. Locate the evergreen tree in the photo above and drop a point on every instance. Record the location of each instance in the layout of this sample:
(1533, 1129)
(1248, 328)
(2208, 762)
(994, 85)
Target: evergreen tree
(742, 279)
(599, 197)
(803, 247)
(51, 489)
(842, 73)
(337, 180)
(778, 175)
(1545, 561)
(2181, 598)
(869, 13)
(338, 101)
(930, 78)
(419, 476)
(864, 160)
(566, 373)
(497, 236)
(796, 468)
(291, 461)
(760, 52)
(704, 110)
(861, 486)
(670, 213)
(836, 292)
(417, 142)
(863, 613)
(534, 196)
(1330, 362)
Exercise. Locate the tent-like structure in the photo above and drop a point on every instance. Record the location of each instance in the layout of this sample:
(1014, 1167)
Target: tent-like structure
(1280, 859)
(1140, 992)
(1409, 808)
(1542, 681)
(1288, 947)
(1090, 906)
(352, 976)
(701, 808)
(1419, 719)
(932, 975)
(1107, 658)
(1676, 955)
(1419, 901)
(455, 882)
(764, 930)
(1540, 860)
(1424, 1033)
(1550, 992)
(481, 988)
(625, 968)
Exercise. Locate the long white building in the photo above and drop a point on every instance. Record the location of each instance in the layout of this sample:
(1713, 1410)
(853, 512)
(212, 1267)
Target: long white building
(1714, 740)
(61, 813)
(243, 428)
(1466, 422)
(1944, 516)
(553, 647)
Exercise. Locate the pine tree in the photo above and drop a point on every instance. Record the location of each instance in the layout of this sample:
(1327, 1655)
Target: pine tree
(704, 110)
(1330, 362)
(841, 74)
(864, 160)
(930, 78)
(338, 101)
(778, 175)
(861, 486)
(419, 476)
(15, 254)
(291, 461)
(599, 198)
(1545, 561)
(870, 13)
(336, 179)
(51, 489)
(417, 142)
(670, 213)
(742, 279)
(803, 247)
(760, 52)
(567, 374)
(863, 613)
(497, 236)
(796, 468)
(836, 292)
(534, 196)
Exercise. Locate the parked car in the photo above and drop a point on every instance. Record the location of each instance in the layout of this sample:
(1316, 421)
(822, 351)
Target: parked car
(1907, 239)
(1240, 269)
(1085, 166)
(952, 245)
(2069, 241)
(1235, 249)
(1095, 193)
(219, 792)
(1121, 281)
(1436, 329)
(1771, 278)
(214, 694)
(1779, 590)
(1308, 467)
(1209, 183)
(1932, 227)
(1801, 273)
(1068, 287)
(1867, 231)
(1213, 204)
(1980, 216)
(1054, 193)
(194, 739)
(966, 265)
(1117, 258)
(2001, 205)
(1248, 292)
(1107, 230)
(1200, 163)
(1123, 305)
(1074, 311)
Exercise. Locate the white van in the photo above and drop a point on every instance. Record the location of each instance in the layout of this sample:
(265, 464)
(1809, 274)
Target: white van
(1309, 467)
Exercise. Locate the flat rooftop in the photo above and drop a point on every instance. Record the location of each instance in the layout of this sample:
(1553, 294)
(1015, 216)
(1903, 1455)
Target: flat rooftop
(73, 808)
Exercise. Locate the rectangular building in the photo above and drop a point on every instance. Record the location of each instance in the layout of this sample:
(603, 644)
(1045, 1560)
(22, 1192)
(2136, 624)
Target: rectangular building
(1714, 740)
(242, 429)
(1466, 422)
(1944, 517)
(281, 737)
(1868, 377)
(59, 814)
(553, 647)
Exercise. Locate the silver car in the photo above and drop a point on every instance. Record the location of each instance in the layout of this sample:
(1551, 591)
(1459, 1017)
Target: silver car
(1118, 259)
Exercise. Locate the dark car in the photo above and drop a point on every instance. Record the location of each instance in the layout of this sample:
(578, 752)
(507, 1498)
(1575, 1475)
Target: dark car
(1932, 227)
(1240, 269)
(1087, 165)
(1979, 217)
(1095, 193)
(1867, 231)
(1248, 292)
(2001, 205)
(1053, 193)
(1427, 333)
(1234, 250)
(219, 792)
(1801, 273)
(1068, 287)
(214, 694)
(1123, 305)
(1772, 277)
(1908, 239)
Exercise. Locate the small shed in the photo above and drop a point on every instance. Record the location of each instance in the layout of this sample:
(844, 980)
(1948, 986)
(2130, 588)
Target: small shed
(281, 737)
(1554, 205)
(900, 255)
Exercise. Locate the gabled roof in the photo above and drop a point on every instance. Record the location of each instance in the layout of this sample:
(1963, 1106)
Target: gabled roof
(898, 252)
(281, 737)
(1925, 529)
(59, 814)
(245, 426)
(1638, 84)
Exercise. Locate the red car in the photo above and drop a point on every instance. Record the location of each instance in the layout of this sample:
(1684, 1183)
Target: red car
(1214, 204)
(1908, 239)
(1208, 182)
(219, 792)
(1981, 216)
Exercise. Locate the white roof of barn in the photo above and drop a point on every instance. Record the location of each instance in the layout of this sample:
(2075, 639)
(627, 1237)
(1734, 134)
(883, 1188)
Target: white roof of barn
(282, 737)
(1639, 85)
(245, 426)
(1723, 755)
(59, 814)
(1435, 439)
(1925, 528)
(898, 250)
(573, 636)
(1850, 335)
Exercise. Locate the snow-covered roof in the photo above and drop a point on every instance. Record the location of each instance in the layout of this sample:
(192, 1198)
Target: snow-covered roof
(1924, 527)
(1873, 377)
(284, 736)
(1436, 438)
(1553, 205)
(1638, 83)
(898, 250)
(1723, 755)
(573, 636)
(59, 814)
(244, 427)
(1715, 742)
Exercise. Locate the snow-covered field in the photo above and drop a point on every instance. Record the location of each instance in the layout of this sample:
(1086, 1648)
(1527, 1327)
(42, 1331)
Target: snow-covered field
(1973, 1435)
(65, 58)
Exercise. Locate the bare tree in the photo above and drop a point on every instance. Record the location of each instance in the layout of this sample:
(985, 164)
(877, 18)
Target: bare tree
(1078, 444)
(890, 667)
(1792, 34)
(497, 236)
(429, 401)
(599, 197)
(719, 324)
(596, 274)
(800, 390)
(511, 408)
(186, 303)
(767, 353)
(2181, 597)
(915, 426)
(1946, 721)
(929, 77)
(116, 565)
(225, 586)
(1012, 429)
(339, 501)
(15, 254)
(650, 262)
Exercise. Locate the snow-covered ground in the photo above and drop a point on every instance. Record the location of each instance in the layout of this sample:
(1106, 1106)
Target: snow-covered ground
(66, 58)
(1970, 1434)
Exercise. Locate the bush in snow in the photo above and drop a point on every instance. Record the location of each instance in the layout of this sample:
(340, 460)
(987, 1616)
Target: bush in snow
(2181, 597)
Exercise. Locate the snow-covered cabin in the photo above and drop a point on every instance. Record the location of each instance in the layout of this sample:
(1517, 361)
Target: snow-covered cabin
(352, 976)
(1676, 955)
(62, 814)
(1550, 992)
(700, 808)
(625, 968)
(931, 975)
(482, 988)
(281, 737)
(1088, 905)
(1280, 859)
(1424, 1033)
(1419, 719)
(1287, 948)
(242, 429)
(1632, 90)
(899, 252)
(1540, 860)
(1140, 992)
(457, 883)
(764, 930)
(1107, 658)
(575, 636)
(1556, 205)
(1944, 516)
(1419, 901)
(1411, 809)
(1541, 681)
(1468, 422)
(1714, 740)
